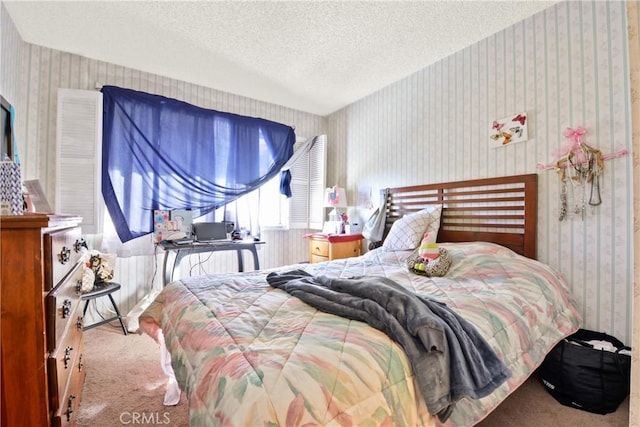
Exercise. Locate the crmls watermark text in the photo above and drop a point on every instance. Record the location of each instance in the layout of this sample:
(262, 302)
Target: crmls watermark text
(139, 418)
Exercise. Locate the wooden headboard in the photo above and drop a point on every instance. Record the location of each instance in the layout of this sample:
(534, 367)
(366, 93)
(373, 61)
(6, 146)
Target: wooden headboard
(501, 210)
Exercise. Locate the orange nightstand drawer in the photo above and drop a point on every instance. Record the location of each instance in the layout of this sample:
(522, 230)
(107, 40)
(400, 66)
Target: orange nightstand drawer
(328, 247)
(319, 246)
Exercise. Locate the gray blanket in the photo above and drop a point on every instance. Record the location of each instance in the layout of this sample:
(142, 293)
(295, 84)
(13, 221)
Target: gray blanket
(449, 358)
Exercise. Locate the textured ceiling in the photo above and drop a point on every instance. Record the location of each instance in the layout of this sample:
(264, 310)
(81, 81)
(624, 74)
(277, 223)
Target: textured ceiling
(314, 56)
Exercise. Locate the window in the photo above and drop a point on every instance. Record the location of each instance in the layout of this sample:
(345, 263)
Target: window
(274, 207)
(267, 209)
(192, 158)
(262, 208)
(304, 208)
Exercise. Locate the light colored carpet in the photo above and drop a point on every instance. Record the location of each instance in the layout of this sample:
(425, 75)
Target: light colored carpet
(125, 386)
(124, 383)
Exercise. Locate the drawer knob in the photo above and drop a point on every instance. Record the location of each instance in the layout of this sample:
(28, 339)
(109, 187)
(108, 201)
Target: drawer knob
(65, 255)
(66, 308)
(79, 244)
(67, 356)
(69, 410)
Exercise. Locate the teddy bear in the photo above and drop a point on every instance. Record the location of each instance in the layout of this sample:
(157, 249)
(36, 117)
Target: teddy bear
(101, 268)
(96, 270)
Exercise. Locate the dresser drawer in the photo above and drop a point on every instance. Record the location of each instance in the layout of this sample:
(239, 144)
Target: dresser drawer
(319, 247)
(62, 250)
(67, 412)
(63, 363)
(63, 309)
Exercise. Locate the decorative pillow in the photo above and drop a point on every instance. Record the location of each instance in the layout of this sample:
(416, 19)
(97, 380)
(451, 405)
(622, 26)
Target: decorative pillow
(407, 232)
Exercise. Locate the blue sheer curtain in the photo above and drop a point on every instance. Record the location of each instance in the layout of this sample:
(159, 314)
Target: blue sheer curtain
(161, 153)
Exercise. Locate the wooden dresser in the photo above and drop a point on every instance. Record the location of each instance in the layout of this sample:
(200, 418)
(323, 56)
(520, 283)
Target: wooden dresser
(43, 367)
(327, 247)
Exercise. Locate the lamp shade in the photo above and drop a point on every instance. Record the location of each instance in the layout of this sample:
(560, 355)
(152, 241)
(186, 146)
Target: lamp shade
(335, 197)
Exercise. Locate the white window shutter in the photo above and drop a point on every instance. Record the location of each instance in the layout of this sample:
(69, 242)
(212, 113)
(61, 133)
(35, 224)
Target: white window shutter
(299, 200)
(317, 182)
(307, 187)
(78, 155)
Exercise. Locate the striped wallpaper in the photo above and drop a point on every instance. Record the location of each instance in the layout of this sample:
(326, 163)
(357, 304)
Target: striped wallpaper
(633, 8)
(567, 66)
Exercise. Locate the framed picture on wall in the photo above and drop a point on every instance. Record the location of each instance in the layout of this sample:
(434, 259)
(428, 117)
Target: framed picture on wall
(508, 130)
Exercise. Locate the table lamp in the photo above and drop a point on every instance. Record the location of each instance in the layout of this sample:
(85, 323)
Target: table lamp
(335, 197)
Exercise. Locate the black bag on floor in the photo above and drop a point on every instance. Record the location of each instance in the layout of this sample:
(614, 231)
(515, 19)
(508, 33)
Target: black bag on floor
(580, 376)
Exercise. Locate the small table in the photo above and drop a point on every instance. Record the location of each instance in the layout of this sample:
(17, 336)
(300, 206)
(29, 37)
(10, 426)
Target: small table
(327, 247)
(174, 252)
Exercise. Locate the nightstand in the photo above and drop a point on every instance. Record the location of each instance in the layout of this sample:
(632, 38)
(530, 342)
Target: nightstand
(327, 247)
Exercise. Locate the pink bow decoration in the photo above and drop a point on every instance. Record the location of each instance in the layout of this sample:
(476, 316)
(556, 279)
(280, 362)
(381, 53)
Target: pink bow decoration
(575, 135)
(578, 150)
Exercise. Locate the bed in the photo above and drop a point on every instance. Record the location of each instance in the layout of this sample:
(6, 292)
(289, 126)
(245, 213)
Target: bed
(249, 354)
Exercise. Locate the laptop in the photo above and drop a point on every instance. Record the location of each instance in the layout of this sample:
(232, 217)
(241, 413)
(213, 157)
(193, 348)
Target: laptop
(208, 232)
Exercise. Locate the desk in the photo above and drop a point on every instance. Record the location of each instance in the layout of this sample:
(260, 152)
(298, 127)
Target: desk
(173, 254)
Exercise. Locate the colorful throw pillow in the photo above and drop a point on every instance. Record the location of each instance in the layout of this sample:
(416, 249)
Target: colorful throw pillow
(407, 232)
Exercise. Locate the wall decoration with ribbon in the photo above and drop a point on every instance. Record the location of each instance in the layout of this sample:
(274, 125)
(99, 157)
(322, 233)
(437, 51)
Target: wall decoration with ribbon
(579, 167)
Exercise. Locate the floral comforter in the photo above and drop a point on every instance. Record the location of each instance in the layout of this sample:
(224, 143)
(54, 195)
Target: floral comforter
(247, 354)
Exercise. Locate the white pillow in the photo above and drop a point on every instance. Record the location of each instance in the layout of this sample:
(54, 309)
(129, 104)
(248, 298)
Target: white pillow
(407, 232)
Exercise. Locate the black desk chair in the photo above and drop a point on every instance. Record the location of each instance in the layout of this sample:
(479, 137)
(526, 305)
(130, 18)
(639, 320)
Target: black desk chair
(100, 291)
